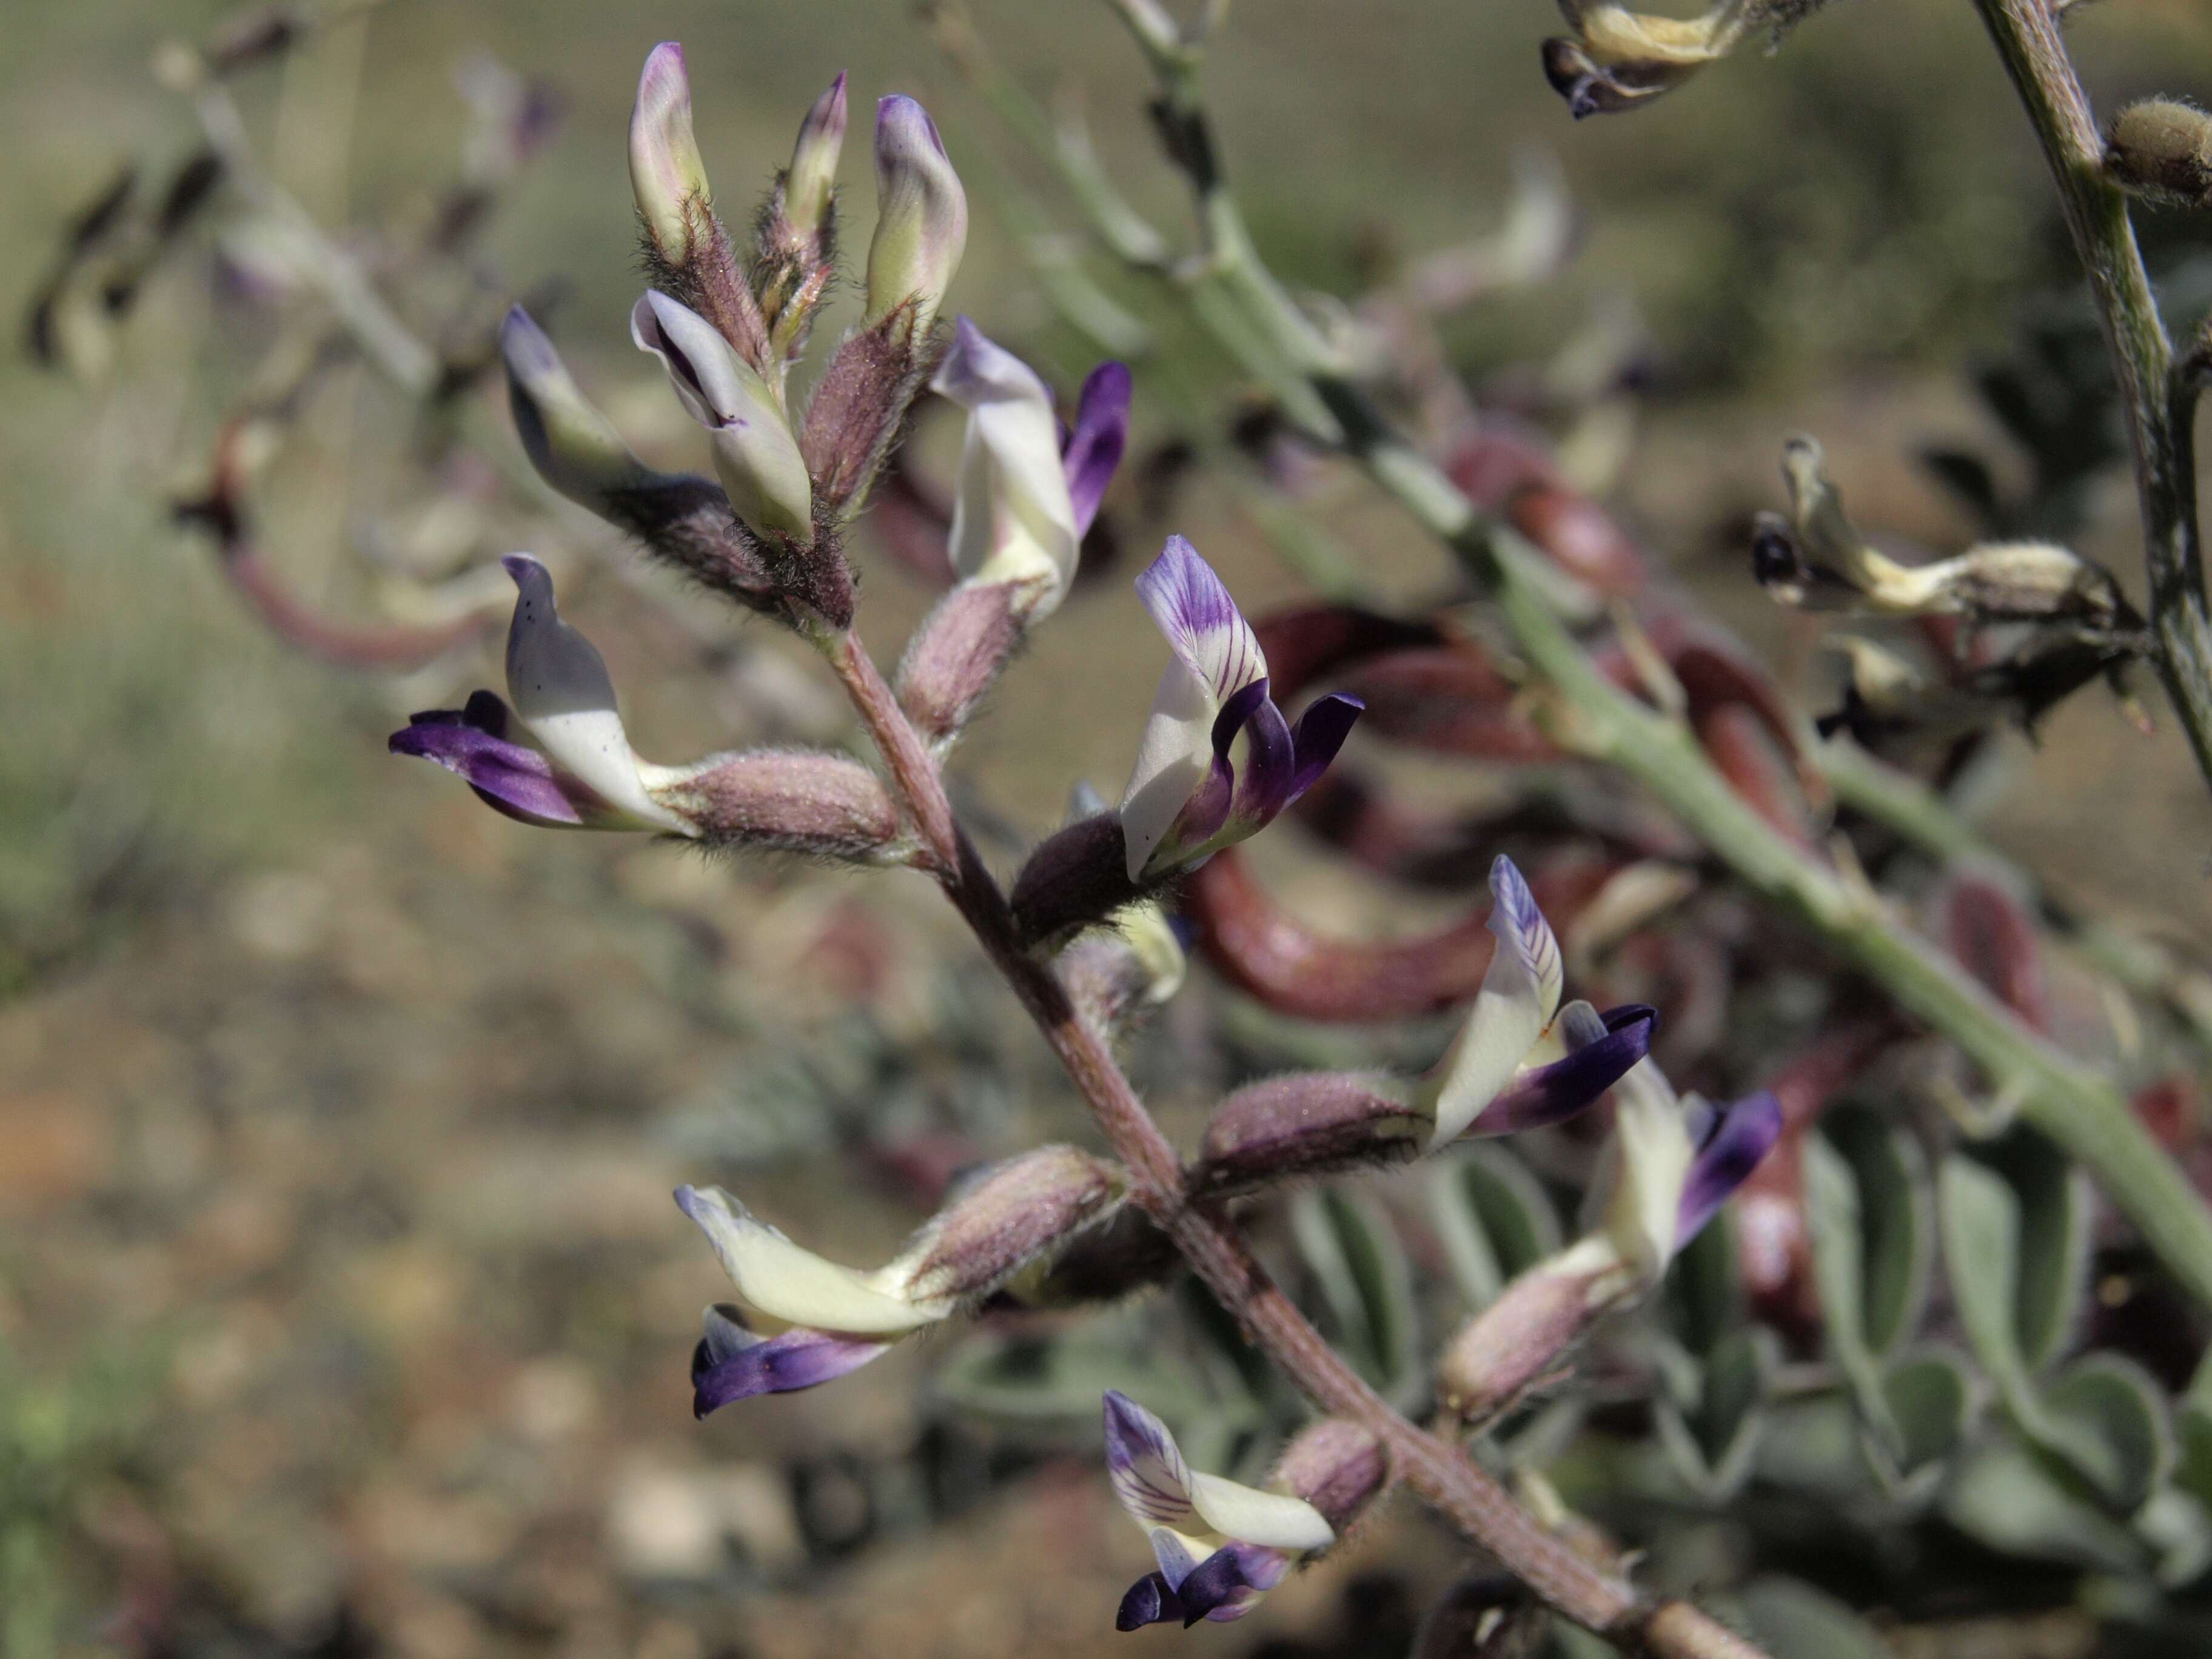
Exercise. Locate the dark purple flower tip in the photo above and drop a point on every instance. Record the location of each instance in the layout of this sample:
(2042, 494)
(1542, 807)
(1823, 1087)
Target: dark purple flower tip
(1600, 1055)
(1092, 448)
(473, 743)
(1320, 732)
(1263, 789)
(732, 1363)
(1229, 1583)
(1730, 1141)
(1149, 1601)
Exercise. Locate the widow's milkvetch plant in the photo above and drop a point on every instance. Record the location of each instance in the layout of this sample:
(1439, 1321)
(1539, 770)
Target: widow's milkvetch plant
(1644, 914)
(1080, 937)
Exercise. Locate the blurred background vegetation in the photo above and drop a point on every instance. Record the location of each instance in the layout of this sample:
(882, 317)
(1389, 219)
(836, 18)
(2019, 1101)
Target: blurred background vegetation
(342, 1307)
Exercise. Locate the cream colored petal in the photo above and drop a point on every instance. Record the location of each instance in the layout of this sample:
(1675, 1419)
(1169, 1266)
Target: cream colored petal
(786, 1281)
(1246, 1513)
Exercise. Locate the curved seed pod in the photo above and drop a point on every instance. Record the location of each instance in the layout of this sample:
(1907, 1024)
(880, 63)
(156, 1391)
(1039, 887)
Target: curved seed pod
(1446, 699)
(1580, 537)
(1267, 952)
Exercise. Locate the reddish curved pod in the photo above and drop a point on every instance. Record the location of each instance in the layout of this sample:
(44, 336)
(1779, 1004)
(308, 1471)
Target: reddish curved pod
(1266, 951)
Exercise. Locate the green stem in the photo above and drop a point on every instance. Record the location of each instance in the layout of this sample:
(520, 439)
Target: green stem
(2072, 1103)
(2035, 53)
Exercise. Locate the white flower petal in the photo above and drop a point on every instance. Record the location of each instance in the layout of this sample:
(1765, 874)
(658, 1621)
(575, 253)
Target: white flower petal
(1173, 758)
(1520, 994)
(1253, 1517)
(1651, 1132)
(1014, 518)
(786, 1281)
(560, 688)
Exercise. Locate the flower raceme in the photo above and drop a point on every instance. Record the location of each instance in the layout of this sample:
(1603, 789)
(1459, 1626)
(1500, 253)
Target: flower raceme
(1186, 799)
(1221, 1545)
(1004, 1219)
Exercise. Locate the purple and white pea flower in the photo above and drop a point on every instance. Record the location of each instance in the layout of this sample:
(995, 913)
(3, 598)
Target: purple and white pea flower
(1673, 1163)
(921, 216)
(1186, 799)
(756, 456)
(1219, 1544)
(559, 756)
(1493, 1079)
(1029, 489)
(999, 1221)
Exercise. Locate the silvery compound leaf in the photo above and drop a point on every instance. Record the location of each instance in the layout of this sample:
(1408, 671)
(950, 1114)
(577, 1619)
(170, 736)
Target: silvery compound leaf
(1833, 1217)
(1896, 1224)
(1791, 1617)
(1931, 1398)
(2108, 1419)
(2054, 1243)
(1060, 1377)
(1981, 1227)
(1712, 1437)
(1492, 1217)
(2007, 1498)
(2179, 1529)
(1704, 1290)
(1347, 1241)
(2192, 1441)
(1816, 1447)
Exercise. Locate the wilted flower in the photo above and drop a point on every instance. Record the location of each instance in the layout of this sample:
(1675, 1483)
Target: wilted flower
(921, 216)
(1620, 58)
(1000, 1221)
(756, 456)
(1221, 1545)
(1028, 491)
(1185, 799)
(560, 755)
(1822, 561)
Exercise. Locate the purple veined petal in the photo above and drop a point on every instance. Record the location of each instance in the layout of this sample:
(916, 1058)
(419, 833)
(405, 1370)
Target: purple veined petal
(1600, 1055)
(732, 1363)
(1202, 623)
(1739, 1136)
(510, 777)
(1521, 928)
(1145, 1466)
(1320, 732)
(1230, 1583)
(1150, 1601)
(1264, 788)
(1092, 448)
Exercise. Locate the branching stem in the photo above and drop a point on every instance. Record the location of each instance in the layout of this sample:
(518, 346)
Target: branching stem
(1217, 1252)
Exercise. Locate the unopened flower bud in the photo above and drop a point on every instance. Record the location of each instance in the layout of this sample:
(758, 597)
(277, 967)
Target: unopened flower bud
(1282, 1128)
(921, 216)
(756, 456)
(1007, 1216)
(954, 658)
(1117, 974)
(2161, 148)
(666, 174)
(1124, 1254)
(811, 182)
(1522, 1338)
(1337, 1466)
(575, 448)
(786, 800)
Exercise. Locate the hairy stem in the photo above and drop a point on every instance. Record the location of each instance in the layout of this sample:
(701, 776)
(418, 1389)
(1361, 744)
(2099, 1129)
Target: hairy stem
(1217, 1252)
(2035, 53)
